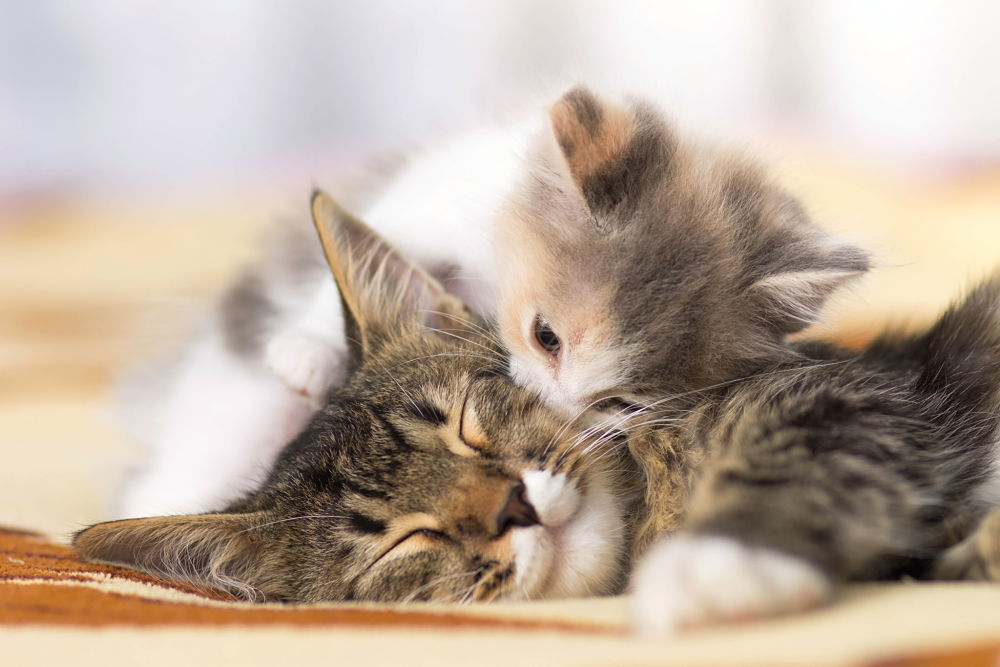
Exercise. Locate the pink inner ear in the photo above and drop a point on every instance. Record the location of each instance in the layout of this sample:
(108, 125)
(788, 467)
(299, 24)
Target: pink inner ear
(590, 132)
(793, 300)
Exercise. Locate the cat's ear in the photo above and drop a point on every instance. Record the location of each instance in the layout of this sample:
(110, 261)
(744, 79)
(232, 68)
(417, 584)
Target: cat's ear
(379, 287)
(610, 152)
(792, 301)
(791, 298)
(216, 550)
(793, 266)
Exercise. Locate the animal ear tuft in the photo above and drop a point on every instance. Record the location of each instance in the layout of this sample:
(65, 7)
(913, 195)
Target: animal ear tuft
(216, 550)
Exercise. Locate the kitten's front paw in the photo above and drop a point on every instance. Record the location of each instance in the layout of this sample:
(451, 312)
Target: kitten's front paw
(689, 580)
(306, 364)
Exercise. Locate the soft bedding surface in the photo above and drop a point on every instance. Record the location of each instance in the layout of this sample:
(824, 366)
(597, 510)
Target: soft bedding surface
(87, 287)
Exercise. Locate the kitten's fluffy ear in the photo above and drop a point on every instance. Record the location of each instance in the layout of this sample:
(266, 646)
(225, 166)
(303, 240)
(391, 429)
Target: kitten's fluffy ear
(380, 288)
(609, 151)
(216, 550)
(793, 265)
(791, 300)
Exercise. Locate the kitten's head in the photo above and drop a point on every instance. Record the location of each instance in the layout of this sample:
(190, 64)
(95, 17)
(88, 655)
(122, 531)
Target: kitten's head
(430, 476)
(635, 266)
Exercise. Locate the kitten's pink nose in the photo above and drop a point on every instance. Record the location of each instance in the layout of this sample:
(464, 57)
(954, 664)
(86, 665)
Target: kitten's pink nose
(517, 511)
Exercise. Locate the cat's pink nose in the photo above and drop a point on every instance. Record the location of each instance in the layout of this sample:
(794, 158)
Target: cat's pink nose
(517, 511)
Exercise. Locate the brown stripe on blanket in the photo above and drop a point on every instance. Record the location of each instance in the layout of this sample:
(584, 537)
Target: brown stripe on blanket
(42, 582)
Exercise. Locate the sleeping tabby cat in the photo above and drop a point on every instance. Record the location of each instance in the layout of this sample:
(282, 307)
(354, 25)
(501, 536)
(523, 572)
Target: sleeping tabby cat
(431, 476)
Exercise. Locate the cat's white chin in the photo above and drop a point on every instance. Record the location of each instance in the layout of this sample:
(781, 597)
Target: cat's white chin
(577, 550)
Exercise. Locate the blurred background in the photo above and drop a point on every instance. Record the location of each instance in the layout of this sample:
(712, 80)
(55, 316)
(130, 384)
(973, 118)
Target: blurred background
(138, 93)
(144, 145)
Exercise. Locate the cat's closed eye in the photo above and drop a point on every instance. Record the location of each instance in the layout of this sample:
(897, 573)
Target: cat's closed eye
(470, 431)
(415, 540)
(545, 337)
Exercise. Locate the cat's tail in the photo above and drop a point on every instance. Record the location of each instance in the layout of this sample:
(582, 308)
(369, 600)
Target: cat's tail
(960, 354)
(956, 368)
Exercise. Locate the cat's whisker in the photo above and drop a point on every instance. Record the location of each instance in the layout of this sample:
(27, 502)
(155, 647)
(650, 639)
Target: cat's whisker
(405, 393)
(467, 340)
(294, 518)
(485, 332)
(444, 354)
(438, 580)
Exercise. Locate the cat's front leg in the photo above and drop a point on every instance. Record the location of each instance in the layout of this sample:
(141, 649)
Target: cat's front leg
(800, 494)
(688, 580)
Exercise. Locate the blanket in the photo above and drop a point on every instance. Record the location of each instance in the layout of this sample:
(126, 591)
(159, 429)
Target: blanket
(88, 287)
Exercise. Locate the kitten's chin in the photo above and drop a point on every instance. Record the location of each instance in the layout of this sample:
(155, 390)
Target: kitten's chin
(578, 549)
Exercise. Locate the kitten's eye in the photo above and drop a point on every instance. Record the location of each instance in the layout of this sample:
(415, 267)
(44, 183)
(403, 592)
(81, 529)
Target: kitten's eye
(546, 337)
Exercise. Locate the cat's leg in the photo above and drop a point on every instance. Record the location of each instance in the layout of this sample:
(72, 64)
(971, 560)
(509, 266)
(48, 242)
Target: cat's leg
(215, 430)
(688, 580)
(307, 355)
(797, 501)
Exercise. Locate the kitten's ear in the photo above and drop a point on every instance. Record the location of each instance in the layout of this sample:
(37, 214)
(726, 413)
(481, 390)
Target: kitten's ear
(790, 300)
(793, 266)
(610, 152)
(216, 550)
(380, 289)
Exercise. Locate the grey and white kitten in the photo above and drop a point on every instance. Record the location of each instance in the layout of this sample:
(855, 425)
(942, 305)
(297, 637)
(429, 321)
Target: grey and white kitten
(431, 476)
(621, 263)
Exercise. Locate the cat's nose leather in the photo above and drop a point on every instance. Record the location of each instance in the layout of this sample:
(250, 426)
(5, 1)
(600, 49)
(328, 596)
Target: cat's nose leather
(517, 511)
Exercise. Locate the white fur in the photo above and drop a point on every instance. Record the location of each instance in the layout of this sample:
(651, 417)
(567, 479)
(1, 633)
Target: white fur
(688, 580)
(221, 423)
(578, 548)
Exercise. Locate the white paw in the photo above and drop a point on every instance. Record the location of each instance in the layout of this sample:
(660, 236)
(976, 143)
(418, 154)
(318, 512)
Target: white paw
(307, 364)
(687, 580)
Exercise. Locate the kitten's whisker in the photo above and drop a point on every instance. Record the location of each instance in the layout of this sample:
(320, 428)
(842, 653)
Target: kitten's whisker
(484, 331)
(466, 340)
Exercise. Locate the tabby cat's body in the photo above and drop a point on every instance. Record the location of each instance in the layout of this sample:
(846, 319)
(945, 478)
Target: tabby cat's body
(864, 466)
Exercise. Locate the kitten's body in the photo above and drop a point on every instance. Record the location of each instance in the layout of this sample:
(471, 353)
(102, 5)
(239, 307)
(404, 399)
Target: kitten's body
(639, 269)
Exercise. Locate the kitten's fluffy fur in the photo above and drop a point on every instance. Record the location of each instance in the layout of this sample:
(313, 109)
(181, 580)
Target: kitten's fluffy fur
(659, 267)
